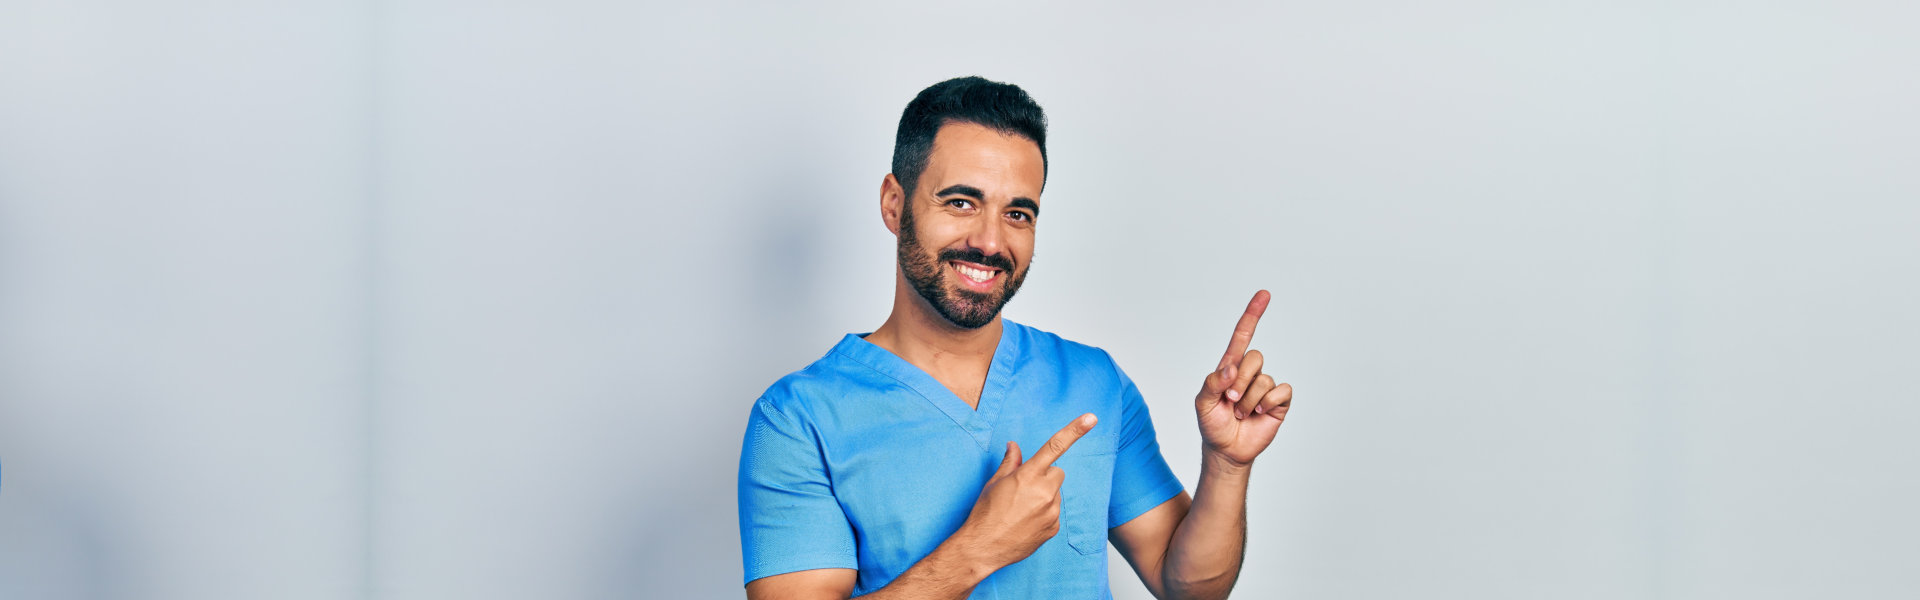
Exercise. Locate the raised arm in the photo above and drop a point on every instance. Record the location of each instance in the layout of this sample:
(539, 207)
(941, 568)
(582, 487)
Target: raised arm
(1193, 548)
(1017, 511)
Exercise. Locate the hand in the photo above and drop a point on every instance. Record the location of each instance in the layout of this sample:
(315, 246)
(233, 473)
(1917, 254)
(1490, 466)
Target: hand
(1241, 408)
(1019, 508)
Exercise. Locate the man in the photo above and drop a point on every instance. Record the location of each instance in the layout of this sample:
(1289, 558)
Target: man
(894, 467)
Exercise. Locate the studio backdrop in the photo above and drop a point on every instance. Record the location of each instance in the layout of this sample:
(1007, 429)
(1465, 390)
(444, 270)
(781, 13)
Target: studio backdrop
(426, 299)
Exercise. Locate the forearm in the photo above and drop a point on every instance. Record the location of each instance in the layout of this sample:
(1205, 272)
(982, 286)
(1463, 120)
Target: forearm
(1204, 556)
(949, 572)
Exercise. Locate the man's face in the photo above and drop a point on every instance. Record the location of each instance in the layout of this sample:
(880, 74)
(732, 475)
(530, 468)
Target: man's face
(966, 232)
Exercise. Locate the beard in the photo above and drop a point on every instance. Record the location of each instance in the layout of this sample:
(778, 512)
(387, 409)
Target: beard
(926, 272)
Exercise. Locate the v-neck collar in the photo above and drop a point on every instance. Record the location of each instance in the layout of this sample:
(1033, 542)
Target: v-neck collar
(977, 422)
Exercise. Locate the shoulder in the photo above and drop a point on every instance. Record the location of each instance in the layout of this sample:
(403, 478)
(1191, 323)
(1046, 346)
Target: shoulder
(792, 394)
(825, 386)
(1042, 345)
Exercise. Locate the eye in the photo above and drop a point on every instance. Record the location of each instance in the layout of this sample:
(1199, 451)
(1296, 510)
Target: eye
(1020, 215)
(960, 203)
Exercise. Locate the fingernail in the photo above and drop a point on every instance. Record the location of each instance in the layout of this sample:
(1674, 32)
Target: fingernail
(1239, 415)
(1259, 410)
(1233, 395)
(1223, 368)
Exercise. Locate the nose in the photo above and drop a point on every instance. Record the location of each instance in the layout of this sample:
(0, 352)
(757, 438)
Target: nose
(989, 235)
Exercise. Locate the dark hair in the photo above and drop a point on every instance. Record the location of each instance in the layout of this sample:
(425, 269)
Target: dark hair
(1003, 107)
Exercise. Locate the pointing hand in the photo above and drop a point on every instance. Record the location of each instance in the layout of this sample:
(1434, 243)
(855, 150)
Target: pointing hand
(1241, 408)
(1019, 507)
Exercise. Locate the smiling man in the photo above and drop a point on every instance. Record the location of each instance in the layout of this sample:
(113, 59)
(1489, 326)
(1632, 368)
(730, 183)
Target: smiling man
(894, 467)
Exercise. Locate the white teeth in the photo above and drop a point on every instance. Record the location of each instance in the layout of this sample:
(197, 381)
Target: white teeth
(975, 274)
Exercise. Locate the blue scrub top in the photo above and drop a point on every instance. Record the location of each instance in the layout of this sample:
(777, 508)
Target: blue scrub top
(863, 461)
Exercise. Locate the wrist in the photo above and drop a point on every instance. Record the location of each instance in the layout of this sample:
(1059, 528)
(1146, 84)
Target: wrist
(1213, 462)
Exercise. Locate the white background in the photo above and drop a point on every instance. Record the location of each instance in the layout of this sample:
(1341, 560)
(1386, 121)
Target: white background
(433, 299)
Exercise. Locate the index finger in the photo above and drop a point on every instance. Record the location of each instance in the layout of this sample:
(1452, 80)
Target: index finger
(1243, 331)
(1060, 442)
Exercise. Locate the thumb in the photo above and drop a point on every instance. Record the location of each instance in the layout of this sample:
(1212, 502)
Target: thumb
(1011, 462)
(1216, 385)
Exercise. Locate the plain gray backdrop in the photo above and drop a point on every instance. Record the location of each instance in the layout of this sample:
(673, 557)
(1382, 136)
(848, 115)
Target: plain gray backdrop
(433, 299)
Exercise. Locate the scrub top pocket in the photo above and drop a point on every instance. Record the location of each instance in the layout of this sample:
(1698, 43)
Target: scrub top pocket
(1084, 494)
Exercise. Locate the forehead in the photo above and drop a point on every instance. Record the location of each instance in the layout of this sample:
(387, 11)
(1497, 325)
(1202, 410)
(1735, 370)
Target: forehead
(1001, 164)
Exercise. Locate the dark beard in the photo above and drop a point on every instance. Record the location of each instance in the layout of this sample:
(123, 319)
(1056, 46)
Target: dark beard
(965, 308)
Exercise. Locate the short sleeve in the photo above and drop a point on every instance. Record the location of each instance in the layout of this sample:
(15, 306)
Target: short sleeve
(1141, 478)
(789, 518)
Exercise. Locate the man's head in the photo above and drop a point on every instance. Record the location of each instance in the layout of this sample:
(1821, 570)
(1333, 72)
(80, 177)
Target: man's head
(969, 163)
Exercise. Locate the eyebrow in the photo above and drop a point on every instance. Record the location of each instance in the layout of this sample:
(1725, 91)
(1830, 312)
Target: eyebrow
(961, 189)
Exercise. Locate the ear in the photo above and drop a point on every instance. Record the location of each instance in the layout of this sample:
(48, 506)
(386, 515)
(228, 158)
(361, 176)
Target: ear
(893, 199)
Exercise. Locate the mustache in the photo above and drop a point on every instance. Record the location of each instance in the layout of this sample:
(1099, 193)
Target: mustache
(974, 255)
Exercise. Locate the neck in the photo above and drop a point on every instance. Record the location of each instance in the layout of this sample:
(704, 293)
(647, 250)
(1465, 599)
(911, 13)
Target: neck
(916, 332)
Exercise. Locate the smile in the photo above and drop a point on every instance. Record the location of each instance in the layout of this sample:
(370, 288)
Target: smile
(973, 273)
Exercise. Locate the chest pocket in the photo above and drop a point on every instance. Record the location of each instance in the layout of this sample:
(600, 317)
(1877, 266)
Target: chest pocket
(1083, 497)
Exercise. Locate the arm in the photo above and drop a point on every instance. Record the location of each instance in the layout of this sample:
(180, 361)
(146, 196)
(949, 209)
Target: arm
(1193, 548)
(1018, 510)
(949, 572)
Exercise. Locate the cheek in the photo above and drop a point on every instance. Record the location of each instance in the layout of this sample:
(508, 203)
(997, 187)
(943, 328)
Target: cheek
(937, 235)
(1022, 248)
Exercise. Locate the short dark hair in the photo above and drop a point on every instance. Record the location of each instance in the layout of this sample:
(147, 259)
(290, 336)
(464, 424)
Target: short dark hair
(1003, 107)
